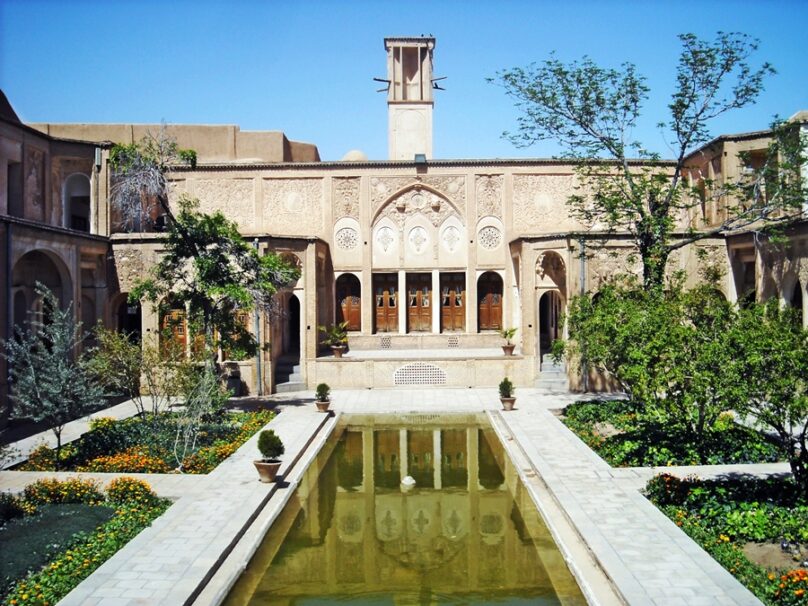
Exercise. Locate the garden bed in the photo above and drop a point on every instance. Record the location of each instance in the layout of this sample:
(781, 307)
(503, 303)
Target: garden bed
(612, 429)
(755, 528)
(152, 444)
(58, 532)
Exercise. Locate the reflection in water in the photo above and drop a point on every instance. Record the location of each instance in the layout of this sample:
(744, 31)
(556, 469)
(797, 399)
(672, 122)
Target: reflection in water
(467, 533)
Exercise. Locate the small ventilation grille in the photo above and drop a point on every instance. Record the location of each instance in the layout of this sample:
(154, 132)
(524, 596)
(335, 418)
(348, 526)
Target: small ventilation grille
(419, 373)
(385, 342)
(454, 342)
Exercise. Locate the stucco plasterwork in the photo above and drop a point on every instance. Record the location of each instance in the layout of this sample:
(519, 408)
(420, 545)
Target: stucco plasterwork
(347, 238)
(293, 206)
(346, 197)
(34, 184)
(489, 195)
(417, 201)
(235, 197)
(539, 203)
(130, 266)
(490, 237)
(454, 188)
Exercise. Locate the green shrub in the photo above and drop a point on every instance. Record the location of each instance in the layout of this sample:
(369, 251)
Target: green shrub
(74, 490)
(10, 508)
(322, 392)
(270, 445)
(505, 388)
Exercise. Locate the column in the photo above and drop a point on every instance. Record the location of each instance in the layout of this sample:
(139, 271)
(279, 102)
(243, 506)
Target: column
(402, 453)
(436, 301)
(473, 542)
(437, 457)
(402, 302)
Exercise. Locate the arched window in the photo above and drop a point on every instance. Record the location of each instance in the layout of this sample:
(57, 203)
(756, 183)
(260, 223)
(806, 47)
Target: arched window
(489, 300)
(77, 202)
(349, 301)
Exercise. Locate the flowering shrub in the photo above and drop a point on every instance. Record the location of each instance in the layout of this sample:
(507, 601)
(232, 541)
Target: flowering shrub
(793, 587)
(132, 460)
(135, 505)
(101, 423)
(74, 490)
(43, 458)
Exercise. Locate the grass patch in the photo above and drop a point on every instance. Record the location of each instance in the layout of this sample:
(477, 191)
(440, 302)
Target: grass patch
(725, 515)
(614, 430)
(98, 526)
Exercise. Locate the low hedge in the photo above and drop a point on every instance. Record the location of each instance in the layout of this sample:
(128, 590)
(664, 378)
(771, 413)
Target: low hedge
(129, 505)
(646, 444)
(146, 444)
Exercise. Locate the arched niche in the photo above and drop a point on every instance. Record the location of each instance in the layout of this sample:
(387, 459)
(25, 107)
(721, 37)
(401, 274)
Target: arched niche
(490, 238)
(551, 272)
(386, 243)
(420, 241)
(347, 240)
(38, 266)
(452, 249)
(76, 202)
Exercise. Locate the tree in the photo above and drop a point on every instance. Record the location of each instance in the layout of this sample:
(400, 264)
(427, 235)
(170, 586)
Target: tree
(207, 265)
(669, 350)
(148, 375)
(49, 379)
(591, 112)
(774, 350)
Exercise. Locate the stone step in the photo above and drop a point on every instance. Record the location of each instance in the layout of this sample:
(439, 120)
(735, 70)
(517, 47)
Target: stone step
(290, 386)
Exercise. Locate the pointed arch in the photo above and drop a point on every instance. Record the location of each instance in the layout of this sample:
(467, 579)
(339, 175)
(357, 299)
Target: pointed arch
(415, 197)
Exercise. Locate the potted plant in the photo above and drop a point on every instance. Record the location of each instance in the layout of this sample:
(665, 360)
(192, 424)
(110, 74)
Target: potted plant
(506, 394)
(270, 447)
(321, 397)
(507, 334)
(336, 337)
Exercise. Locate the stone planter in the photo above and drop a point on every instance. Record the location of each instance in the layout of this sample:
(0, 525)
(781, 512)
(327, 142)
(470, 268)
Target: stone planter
(338, 350)
(507, 403)
(322, 405)
(267, 470)
(508, 349)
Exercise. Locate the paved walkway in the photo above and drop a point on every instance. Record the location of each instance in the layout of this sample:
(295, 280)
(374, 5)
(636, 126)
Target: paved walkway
(648, 559)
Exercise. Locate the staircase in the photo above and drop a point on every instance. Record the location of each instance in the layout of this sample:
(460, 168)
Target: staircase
(287, 374)
(553, 377)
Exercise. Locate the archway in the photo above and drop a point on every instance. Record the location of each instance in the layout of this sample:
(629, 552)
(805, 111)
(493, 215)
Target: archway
(76, 202)
(293, 326)
(797, 304)
(489, 301)
(45, 268)
(128, 319)
(349, 301)
(550, 307)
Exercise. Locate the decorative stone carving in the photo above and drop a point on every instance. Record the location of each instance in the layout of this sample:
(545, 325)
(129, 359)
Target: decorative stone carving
(293, 206)
(540, 202)
(418, 239)
(385, 237)
(34, 184)
(347, 238)
(451, 238)
(490, 237)
(453, 187)
(414, 201)
(489, 195)
(235, 197)
(346, 197)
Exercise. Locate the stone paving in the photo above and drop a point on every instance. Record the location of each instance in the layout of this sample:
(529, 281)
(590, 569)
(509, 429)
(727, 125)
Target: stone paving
(646, 557)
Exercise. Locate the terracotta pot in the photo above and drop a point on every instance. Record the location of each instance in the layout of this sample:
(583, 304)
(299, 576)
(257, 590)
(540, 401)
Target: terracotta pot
(338, 350)
(507, 403)
(508, 349)
(323, 406)
(267, 470)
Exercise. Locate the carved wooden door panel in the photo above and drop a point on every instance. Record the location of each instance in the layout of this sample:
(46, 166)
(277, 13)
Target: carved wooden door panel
(489, 295)
(385, 302)
(419, 302)
(453, 302)
(349, 300)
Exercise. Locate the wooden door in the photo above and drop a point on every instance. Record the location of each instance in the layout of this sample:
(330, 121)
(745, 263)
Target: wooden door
(349, 301)
(489, 296)
(174, 328)
(386, 302)
(453, 302)
(419, 302)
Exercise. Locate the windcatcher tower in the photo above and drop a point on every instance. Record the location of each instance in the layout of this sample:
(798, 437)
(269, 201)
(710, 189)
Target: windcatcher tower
(409, 96)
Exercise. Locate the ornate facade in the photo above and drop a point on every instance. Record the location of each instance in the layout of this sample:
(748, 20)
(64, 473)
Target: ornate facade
(422, 257)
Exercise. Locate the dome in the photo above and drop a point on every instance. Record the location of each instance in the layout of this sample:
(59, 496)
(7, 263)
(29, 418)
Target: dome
(355, 155)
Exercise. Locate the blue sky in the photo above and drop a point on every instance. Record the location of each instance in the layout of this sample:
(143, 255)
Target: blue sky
(306, 67)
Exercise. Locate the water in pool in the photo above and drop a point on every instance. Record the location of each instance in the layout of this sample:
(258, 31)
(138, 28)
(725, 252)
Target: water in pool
(409, 510)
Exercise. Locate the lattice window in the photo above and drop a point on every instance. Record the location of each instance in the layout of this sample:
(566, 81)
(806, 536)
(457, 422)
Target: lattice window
(419, 373)
(490, 237)
(453, 342)
(347, 238)
(386, 342)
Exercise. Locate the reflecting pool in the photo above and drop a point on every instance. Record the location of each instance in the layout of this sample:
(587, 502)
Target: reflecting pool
(466, 532)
